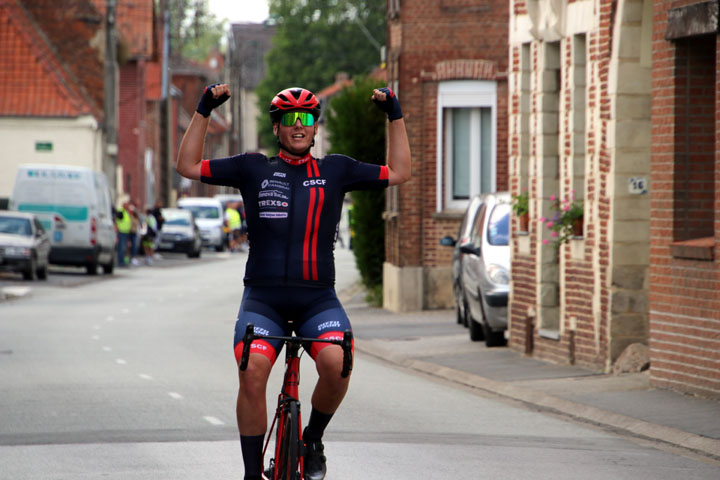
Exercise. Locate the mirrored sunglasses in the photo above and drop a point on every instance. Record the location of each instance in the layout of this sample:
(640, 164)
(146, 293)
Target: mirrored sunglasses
(306, 119)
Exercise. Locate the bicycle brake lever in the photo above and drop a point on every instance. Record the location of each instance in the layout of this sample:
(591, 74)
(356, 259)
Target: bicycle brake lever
(347, 354)
(247, 341)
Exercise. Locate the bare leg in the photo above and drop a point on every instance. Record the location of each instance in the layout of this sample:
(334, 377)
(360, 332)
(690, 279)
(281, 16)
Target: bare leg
(251, 404)
(331, 386)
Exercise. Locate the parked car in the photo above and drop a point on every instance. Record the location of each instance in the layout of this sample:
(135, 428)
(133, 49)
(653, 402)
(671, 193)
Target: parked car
(24, 245)
(73, 205)
(180, 233)
(486, 270)
(463, 237)
(210, 217)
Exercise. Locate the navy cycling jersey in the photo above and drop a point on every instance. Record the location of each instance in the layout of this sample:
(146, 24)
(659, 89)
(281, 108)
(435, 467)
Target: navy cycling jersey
(292, 209)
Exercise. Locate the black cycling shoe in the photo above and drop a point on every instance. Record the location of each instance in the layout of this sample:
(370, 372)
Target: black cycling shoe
(314, 461)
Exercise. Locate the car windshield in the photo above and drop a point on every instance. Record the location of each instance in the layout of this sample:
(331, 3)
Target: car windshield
(176, 219)
(498, 225)
(203, 211)
(15, 226)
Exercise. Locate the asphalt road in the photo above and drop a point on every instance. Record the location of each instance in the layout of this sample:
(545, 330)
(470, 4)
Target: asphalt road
(133, 377)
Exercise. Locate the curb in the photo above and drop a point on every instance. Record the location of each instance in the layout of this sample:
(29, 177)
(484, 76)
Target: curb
(586, 413)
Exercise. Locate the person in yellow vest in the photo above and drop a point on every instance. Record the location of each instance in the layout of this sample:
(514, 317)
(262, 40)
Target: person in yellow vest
(234, 223)
(123, 224)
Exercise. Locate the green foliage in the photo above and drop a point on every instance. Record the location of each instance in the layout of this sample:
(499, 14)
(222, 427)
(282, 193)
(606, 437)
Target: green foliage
(314, 40)
(521, 203)
(356, 128)
(195, 32)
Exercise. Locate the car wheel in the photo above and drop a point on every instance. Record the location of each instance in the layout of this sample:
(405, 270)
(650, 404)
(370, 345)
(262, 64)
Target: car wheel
(91, 268)
(109, 267)
(458, 313)
(466, 318)
(492, 338)
(31, 270)
(42, 272)
(476, 331)
(219, 248)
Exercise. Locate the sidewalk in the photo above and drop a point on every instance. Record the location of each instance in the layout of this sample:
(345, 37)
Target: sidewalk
(433, 343)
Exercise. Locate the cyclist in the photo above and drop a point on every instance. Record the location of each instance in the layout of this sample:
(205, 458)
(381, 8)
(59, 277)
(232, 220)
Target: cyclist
(293, 204)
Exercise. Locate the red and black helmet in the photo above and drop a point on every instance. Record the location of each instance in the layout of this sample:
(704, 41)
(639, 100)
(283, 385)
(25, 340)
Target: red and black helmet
(293, 100)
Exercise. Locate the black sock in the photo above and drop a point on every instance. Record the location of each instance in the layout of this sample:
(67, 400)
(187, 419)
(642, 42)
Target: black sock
(252, 447)
(316, 426)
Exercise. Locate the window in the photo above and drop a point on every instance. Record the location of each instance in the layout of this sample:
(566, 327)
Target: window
(467, 115)
(498, 229)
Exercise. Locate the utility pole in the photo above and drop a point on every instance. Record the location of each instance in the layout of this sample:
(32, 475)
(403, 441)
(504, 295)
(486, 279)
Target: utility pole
(110, 98)
(166, 160)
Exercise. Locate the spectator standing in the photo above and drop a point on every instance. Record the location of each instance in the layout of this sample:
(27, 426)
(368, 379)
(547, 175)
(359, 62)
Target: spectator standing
(123, 225)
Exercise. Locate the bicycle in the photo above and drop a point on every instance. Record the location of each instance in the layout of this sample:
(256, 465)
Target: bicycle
(287, 464)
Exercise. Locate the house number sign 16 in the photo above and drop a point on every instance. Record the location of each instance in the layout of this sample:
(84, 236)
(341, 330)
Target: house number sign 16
(638, 185)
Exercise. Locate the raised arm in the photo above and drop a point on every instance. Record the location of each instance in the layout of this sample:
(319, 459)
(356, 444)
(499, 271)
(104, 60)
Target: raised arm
(398, 160)
(191, 148)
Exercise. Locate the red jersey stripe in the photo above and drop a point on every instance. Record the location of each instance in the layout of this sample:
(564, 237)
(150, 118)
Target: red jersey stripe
(306, 242)
(313, 255)
(315, 168)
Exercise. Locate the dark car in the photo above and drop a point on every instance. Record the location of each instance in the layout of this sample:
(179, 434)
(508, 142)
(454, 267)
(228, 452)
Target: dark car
(179, 233)
(463, 237)
(24, 245)
(485, 268)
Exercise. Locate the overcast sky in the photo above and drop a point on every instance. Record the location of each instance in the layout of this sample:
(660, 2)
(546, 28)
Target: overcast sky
(238, 11)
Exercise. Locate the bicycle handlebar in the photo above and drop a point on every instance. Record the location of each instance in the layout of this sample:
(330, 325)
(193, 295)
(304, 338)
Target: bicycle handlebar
(345, 343)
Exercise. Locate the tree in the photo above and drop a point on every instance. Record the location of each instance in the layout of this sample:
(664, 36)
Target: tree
(195, 31)
(314, 40)
(356, 128)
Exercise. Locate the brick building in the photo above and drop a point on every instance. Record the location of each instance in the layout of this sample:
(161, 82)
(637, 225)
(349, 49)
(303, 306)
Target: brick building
(447, 61)
(580, 83)
(685, 198)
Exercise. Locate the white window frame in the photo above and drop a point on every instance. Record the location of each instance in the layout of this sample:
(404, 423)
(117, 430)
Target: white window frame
(464, 94)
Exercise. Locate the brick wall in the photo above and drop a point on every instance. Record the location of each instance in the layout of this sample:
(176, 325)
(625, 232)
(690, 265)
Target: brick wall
(432, 41)
(585, 303)
(132, 130)
(685, 273)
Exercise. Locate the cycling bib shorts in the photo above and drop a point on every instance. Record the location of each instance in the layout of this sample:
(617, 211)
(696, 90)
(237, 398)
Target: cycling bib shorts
(314, 313)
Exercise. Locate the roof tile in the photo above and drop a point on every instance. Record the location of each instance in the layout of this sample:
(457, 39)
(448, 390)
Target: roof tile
(32, 81)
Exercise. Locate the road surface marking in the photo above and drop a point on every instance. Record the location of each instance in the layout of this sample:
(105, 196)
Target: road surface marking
(145, 376)
(175, 395)
(213, 420)
(120, 361)
(110, 318)
(107, 349)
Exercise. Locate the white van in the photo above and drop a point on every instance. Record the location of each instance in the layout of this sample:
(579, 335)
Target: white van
(73, 205)
(210, 217)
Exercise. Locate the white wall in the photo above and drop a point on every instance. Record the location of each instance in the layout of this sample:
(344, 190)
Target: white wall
(75, 141)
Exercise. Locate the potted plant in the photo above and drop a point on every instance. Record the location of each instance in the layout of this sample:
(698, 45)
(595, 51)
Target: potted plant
(521, 208)
(566, 221)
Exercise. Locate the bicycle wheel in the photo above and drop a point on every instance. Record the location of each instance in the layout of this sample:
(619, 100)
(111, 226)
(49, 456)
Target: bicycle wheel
(288, 449)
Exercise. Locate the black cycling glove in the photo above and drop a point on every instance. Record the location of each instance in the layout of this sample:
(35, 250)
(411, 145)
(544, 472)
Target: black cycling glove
(208, 102)
(390, 105)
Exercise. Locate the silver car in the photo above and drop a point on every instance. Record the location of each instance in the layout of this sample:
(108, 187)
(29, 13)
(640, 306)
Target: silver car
(463, 237)
(179, 233)
(486, 270)
(24, 245)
